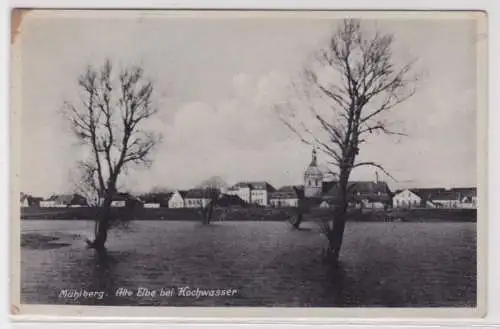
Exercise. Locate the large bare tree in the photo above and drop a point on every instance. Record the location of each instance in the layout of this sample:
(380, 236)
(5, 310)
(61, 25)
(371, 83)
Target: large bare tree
(349, 88)
(109, 123)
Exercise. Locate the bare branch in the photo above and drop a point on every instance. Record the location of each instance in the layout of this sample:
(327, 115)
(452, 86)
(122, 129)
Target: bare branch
(376, 165)
(380, 127)
(391, 101)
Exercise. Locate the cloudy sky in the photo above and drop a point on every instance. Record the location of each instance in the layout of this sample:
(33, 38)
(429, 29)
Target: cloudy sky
(217, 80)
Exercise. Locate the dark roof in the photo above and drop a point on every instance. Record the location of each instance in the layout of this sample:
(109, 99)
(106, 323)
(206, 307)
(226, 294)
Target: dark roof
(68, 199)
(369, 187)
(202, 193)
(465, 191)
(427, 194)
(255, 186)
(156, 197)
(362, 187)
(123, 196)
(195, 194)
(241, 185)
(78, 200)
(285, 192)
(288, 192)
(229, 200)
(364, 190)
(262, 186)
(446, 196)
(31, 199)
(181, 192)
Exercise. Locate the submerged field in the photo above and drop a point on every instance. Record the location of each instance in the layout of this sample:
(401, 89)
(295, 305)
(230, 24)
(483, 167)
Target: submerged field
(383, 264)
(252, 214)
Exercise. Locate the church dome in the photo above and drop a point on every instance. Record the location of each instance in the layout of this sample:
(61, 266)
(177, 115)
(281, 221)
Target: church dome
(313, 169)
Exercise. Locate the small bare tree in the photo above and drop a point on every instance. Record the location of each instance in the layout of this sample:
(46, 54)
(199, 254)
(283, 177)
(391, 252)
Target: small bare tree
(108, 123)
(211, 194)
(354, 81)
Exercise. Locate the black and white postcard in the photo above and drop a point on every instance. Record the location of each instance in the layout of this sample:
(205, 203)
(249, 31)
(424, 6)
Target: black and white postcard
(262, 163)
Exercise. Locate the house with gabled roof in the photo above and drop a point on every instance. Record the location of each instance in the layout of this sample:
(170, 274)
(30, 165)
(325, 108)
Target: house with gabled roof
(177, 200)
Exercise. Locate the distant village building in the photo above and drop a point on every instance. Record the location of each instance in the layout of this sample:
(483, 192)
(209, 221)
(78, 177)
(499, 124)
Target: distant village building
(286, 196)
(446, 199)
(407, 199)
(226, 200)
(242, 190)
(156, 200)
(177, 199)
(123, 199)
(467, 197)
(435, 198)
(260, 193)
(252, 192)
(29, 201)
(199, 198)
(64, 201)
(362, 194)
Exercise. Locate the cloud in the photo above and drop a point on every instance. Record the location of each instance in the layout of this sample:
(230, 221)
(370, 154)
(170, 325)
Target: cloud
(237, 137)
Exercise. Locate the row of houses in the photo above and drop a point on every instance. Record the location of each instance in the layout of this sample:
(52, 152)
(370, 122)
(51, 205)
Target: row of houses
(435, 198)
(54, 201)
(194, 198)
(362, 194)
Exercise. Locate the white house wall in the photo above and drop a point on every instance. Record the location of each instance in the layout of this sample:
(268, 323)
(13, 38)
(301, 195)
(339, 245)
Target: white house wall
(291, 202)
(406, 198)
(151, 205)
(259, 197)
(176, 201)
(118, 204)
(196, 202)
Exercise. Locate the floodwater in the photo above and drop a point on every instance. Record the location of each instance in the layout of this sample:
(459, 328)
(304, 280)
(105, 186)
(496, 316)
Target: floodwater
(248, 264)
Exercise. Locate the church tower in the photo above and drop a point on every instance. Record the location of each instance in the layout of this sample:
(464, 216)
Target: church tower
(313, 178)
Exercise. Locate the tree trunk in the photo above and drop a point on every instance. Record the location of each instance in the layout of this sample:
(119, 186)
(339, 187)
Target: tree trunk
(102, 225)
(209, 213)
(102, 229)
(297, 219)
(336, 235)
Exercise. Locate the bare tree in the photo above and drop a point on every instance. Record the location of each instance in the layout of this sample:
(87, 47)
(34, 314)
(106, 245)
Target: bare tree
(212, 194)
(108, 122)
(348, 88)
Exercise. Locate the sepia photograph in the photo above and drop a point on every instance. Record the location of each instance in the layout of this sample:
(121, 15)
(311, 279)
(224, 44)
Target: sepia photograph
(256, 159)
